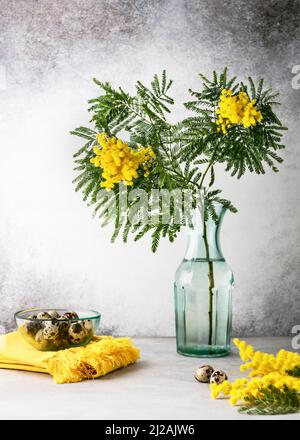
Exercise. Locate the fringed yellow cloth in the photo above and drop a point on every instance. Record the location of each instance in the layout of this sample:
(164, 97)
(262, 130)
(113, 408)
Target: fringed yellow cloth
(101, 356)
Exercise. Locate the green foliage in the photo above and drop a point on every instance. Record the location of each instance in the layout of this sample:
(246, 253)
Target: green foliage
(185, 152)
(295, 372)
(211, 199)
(241, 149)
(272, 401)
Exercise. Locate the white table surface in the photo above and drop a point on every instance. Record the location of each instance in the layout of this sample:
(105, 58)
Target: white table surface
(159, 386)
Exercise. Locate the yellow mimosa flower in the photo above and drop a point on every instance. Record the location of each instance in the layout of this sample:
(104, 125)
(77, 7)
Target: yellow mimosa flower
(119, 162)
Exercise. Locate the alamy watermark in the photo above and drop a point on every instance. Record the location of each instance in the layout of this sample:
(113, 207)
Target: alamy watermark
(159, 206)
(296, 339)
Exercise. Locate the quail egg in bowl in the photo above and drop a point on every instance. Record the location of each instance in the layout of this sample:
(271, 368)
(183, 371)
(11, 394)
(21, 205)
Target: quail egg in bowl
(57, 329)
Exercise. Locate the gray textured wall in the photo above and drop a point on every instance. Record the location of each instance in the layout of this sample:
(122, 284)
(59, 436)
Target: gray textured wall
(51, 251)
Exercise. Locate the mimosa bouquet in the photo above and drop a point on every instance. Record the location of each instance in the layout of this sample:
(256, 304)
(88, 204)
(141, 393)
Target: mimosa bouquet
(145, 175)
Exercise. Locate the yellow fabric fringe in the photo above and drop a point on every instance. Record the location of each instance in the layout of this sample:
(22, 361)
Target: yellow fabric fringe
(101, 356)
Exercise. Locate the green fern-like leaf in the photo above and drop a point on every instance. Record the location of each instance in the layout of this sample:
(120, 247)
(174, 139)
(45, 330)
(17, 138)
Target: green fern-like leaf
(156, 236)
(272, 401)
(295, 372)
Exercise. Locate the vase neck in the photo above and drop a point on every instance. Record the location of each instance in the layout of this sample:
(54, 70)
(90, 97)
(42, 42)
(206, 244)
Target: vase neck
(203, 240)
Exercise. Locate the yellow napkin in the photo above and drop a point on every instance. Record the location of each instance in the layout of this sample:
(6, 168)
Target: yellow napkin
(101, 356)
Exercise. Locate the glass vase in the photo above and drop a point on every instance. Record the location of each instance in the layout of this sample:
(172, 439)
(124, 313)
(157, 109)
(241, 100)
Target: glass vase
(203, 291)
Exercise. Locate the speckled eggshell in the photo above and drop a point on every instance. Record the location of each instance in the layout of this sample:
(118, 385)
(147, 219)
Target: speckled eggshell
(88, 325)
(32, 327)
(70, 315)
(43, 315)
(204, 373)
(50, 330)
(218, 376)
(63, 325)
(54, 314)
(77, 332)
(42, 344)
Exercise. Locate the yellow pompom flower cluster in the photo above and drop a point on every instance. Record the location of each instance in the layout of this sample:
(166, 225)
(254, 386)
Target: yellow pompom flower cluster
(267, 369)
(240, 389)
(264, 363)
(119, 162)
(236, 109)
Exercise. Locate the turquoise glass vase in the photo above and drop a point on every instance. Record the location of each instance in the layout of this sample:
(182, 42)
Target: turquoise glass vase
(203, 291)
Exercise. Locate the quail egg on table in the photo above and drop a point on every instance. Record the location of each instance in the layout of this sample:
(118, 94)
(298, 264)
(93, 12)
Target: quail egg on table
(204, 373)
(77, 332)
(218, 376)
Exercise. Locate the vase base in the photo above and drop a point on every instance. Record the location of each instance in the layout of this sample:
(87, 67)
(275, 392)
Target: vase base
(205, 351)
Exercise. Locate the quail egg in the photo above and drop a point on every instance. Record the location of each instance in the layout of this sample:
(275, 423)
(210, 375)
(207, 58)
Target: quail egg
(218, 376)
(40, 340)
(70, 315)
(32, 327)
(88, 325)
(63, 325)
(43, 315)
(54, 314)
(77, 332)
(50, 330)
(204, 373)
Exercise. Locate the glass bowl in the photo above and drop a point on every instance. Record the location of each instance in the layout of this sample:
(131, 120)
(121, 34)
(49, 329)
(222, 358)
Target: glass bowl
(52, 330)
